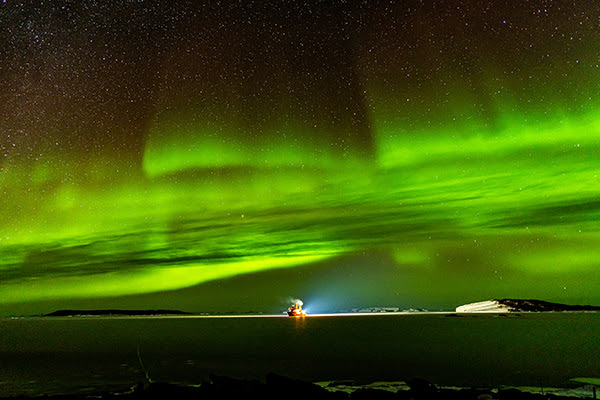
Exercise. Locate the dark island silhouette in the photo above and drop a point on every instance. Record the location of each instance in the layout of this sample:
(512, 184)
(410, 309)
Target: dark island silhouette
(73, 313)
(522, 305)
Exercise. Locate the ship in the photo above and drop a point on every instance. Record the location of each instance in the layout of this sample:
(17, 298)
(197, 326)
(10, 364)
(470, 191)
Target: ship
(296, 311)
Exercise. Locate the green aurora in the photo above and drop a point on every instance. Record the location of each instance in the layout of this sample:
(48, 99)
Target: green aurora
(463, 180)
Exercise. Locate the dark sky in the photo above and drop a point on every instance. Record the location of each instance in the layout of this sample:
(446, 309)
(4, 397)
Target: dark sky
(232, 155)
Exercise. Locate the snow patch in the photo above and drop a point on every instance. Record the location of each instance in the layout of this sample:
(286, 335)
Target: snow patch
(491, 306)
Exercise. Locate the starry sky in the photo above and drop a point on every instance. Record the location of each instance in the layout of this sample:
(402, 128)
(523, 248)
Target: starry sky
(228, 156)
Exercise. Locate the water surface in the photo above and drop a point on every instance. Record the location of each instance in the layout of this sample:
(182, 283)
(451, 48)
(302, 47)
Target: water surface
(61, 355)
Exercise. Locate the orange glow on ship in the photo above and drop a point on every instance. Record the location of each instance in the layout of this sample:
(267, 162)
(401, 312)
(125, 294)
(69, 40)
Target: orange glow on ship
(296, 311)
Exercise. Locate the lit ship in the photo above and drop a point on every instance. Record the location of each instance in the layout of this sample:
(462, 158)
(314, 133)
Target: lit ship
(296, 311)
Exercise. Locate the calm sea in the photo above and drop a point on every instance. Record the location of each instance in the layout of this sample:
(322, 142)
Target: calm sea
(66, 355)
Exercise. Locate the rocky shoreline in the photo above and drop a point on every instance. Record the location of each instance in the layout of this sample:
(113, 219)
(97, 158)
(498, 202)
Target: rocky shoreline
(276, 386)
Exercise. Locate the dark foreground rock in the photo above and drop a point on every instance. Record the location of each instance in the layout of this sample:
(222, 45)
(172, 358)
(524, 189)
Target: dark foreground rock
(281, 387)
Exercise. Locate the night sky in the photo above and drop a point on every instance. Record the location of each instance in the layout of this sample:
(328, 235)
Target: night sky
(233, 155)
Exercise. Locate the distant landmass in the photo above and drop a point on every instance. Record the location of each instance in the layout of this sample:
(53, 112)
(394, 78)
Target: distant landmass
(73, 313)
(517, 305)
(384, 310)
